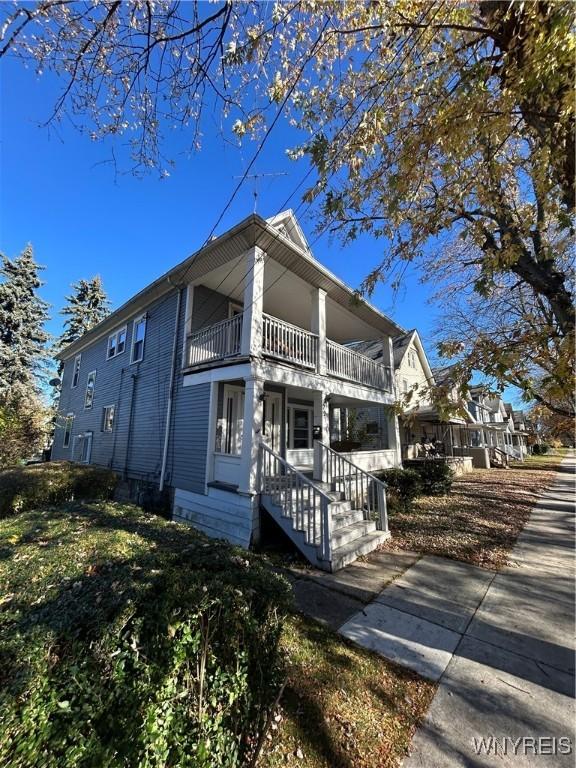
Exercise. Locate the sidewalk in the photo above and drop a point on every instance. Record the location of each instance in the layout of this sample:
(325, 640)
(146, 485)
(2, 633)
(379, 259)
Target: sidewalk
(501, 645)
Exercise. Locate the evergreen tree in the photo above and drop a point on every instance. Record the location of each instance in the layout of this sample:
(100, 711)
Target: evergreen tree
(86, 307)
(22, 316)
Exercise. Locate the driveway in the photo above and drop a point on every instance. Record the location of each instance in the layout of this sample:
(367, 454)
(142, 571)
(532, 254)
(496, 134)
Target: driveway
(501, 645)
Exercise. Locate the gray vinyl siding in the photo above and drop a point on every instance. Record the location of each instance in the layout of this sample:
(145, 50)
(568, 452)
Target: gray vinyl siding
(208, 307)
(188, 449)
(139, 392)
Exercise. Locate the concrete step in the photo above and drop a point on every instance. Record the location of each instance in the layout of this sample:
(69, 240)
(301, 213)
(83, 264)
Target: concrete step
(347, 553)
(342, 519)
(351, 533)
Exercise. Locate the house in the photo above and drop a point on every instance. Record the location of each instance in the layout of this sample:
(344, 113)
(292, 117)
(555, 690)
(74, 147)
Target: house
(422, 426)
(493, 437)
(219, 385)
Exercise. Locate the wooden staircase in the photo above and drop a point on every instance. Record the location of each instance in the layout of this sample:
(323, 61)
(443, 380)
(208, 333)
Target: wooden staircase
(333, 522)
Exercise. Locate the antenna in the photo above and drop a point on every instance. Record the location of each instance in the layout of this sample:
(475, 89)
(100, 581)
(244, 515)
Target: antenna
(255, 177)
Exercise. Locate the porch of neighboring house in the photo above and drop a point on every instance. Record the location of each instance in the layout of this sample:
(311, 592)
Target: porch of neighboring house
(491, 444)
(423, 440)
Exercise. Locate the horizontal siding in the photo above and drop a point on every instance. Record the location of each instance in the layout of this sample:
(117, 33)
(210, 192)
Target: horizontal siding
(189, 445)
(137, 390)
(208, 307)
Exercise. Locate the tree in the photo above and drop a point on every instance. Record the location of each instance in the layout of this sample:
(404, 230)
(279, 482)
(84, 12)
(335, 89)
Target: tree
(426, 120)
(24, 425)
(86, 307)
(23, 313)
(550, 426)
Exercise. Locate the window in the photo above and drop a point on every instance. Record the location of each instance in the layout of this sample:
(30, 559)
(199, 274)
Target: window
(230, 426)
(116, 343)
(404, 385)
(89, 396)
(372, 428)
(76, 370)
(108, 418)
(138, 336)
(299, 427)
(234, 309)
(68, 424)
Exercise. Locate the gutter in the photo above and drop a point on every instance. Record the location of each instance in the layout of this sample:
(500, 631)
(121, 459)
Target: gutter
(170, 392)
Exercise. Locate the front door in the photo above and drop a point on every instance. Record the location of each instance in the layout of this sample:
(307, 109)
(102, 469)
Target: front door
(272, 421)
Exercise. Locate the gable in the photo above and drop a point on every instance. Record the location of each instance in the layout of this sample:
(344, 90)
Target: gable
(287, 225)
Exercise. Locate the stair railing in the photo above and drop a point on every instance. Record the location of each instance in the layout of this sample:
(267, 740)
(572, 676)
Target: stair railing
(367, 491)
(499, 456)
(298, 496)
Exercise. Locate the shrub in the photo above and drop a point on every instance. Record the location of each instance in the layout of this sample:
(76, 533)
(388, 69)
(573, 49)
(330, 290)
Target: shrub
(540, 449)
(435, 477)
(403, 485)
(23, 488)
(159, 648)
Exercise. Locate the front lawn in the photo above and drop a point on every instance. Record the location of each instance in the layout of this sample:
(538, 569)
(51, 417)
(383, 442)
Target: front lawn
(343, 706)
(480, 519)
(128, 640)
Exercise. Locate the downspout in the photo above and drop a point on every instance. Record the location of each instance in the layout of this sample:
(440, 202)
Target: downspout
(170, 392)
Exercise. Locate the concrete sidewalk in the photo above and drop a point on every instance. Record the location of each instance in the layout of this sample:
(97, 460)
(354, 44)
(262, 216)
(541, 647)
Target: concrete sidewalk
(501, 645)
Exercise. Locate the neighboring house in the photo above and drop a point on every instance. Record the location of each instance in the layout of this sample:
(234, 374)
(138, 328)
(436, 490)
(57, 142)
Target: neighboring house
(219, 383)
(494, 436)
(422, 424)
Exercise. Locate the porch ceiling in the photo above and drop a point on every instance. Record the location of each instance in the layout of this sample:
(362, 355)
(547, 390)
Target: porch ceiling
(289, 297)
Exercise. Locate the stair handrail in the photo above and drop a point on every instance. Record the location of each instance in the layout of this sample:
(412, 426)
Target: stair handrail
(307, 497)
(360, 481)
(497, 450)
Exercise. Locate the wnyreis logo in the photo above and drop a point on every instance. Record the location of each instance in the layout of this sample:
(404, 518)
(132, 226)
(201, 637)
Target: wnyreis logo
(525, 745)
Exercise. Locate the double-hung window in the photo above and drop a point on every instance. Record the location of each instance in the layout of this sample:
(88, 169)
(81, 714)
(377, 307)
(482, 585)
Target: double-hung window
(68, 424)
(138, 336)
(90, 384)
(108, 418)
(116, 343)
(76, 371)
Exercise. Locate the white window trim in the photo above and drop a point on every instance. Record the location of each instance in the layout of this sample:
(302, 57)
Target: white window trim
(115, 335)
(104, 409)
(68, 418)
(136, 320)
(234, 307)
(291, 407)
(89, 407)
(79, 359)
(228, 390)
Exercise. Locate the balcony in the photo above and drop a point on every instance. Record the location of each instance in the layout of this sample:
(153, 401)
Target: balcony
(287, 343)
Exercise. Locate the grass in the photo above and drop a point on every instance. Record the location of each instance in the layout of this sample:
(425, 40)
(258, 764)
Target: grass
(479, 521)
(343, 707)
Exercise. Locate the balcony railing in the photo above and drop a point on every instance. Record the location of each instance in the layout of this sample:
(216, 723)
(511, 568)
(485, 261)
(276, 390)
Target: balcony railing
(284, 341)
(346, 363)
(215, 342)
(288, 342)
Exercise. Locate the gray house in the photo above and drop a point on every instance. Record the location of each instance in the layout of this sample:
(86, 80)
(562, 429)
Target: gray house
(218, 384)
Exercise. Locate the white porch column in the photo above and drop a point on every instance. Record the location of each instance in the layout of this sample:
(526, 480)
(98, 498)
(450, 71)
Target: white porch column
(318, 324)
(321, 420)
(253, 296)
(394, 435)
(251, 435)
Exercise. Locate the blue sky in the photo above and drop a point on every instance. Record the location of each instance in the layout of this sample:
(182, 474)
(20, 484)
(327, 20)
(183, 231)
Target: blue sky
(58, 192)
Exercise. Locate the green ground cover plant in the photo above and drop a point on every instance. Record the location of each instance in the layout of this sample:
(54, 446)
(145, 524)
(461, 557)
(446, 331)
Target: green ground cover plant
(127, 640)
